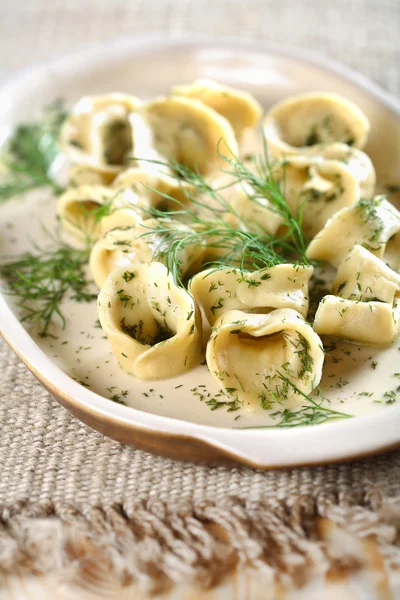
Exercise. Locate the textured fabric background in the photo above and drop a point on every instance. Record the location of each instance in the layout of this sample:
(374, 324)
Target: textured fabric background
(52, 464)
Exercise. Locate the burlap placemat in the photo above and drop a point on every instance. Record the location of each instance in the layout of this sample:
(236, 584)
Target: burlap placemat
(150, 517)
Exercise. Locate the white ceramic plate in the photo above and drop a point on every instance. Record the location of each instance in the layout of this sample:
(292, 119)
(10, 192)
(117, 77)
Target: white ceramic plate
(167, 417)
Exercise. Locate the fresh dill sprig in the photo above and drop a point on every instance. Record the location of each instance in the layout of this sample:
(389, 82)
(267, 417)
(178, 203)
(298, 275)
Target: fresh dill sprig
(40, 281)
(312, 413)
(30, 152)
(86, 219)
(215, 223)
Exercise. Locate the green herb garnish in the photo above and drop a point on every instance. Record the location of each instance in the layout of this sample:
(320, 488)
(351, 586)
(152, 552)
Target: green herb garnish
(246, 245)
(40, 281)
(312, 413)
(30, 152)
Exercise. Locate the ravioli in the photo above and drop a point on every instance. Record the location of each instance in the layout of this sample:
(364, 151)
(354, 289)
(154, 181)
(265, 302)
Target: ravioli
(282, 286)
(238, 107)
(369, 223)
(301, 124)
(265, 359)
(138, 245)
(98, 132)
(153, 326)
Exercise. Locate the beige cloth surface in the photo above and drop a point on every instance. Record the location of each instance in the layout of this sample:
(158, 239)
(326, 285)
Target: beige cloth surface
(152, 517)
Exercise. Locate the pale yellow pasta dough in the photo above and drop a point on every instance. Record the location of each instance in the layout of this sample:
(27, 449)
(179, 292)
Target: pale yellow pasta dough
(364, 276)
(89, 211)
(300, 124)
(238, 107)
(370, 323)
(155, 189)
(98, 133)
(282, 286)
(153, 326)
(251, 211)
(357, 162)
(258, 358)
(137, 245)
(370, 223)
(316, 189)
(83, 175)
(188, 132)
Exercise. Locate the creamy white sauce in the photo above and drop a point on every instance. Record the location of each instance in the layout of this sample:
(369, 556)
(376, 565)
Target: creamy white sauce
(351, 381)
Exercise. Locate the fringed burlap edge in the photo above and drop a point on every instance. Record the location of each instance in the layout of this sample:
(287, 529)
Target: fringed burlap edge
(157, 545)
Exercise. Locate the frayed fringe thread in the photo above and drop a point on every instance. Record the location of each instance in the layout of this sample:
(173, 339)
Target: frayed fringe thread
(157, 546)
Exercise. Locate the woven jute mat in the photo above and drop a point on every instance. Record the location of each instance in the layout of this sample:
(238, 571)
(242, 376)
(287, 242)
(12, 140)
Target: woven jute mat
(151, 518)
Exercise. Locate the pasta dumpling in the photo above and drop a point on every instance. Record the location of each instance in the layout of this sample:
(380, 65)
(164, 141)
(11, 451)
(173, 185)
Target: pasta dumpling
(252, 211)
(282, 286)
(239, 108)
(363, 276)
(138, 245)
(89, 211)
(83, 175)
(188, 132)
(317, 189)
(98, 132)
(371, 322)
(265, 358)
(357, 161)
(153, 326)
(300, 124)
(366, 309)
(155, 189)
(370, 223)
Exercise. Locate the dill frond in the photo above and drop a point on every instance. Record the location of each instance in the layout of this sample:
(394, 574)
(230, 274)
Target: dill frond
(40, 281)
(312, 413)
(29, 153)
(231, 239)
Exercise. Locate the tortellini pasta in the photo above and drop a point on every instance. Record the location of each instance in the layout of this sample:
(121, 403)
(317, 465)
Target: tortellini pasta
(371, 322)
(239, 108)
(282, 286)
(155, 189)
(89, 211)
(300, 124)
(357, 162)
(188, 132)
(370, 223)
(317, 189)
(131, 161)
(83, 175)
(98, 132)
(153, 326)
(138, 245)
(251, 211)
(363, 276)
(366, 309)
(263, 359)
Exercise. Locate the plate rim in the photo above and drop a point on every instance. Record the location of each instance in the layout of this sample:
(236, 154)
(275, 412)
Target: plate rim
(88, 406)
